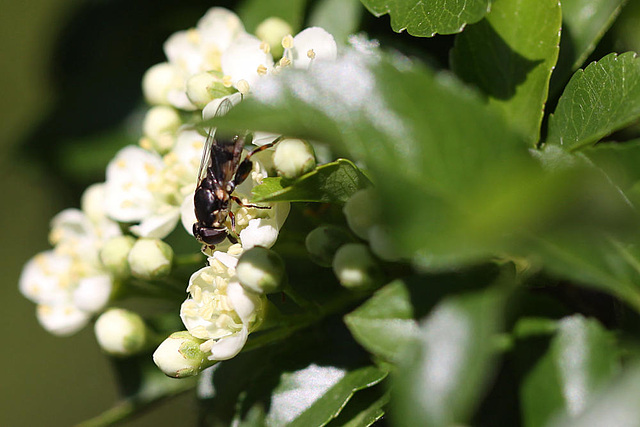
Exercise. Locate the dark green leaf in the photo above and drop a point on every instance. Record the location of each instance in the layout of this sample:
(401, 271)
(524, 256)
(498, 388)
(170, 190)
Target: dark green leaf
(584, 23)
(424, 19)
(452, 190)
(447, 370)
(594, 260)
(600, 99)
(316, 394)
(253, 12)
(362, 411)
(385, 323)
(620, 161)
(617, 405)
(339, 17)
(581, 358)
(509, 56)
(330, 183)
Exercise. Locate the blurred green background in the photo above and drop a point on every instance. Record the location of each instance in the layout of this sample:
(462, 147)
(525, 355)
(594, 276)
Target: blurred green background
(70, 70)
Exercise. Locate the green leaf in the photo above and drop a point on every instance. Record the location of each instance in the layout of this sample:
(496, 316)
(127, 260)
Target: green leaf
(299, 381)
(599, 100)
(620, 161)
(362, 413)
(341, 18)
(330, 183)
(384, 324)
(598, 261)
(509, 56)
(253, 12)
(316, 393)
(584, 24)
(424, 19)
(442, 180)
(447, 370)
(581, 359)
(616, 405)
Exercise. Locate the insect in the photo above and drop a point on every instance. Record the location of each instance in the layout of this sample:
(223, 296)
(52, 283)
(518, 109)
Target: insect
(221, 171)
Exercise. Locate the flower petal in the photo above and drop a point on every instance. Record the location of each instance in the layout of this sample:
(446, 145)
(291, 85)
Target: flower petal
(228, 347)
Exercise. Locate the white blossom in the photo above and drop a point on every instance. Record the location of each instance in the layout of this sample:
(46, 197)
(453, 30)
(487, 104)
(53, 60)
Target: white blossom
(310, 45)
(220, 311)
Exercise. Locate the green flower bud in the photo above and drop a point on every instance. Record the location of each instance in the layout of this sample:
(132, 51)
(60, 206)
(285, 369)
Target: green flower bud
(293, 158)
(260, 270)
(114, 255)
(323, 242)
(150, 258)
(203, 88)
(120, 332)
(362, 212)
(179, 356)
(272, 30)
(355, 267)
(160, 126)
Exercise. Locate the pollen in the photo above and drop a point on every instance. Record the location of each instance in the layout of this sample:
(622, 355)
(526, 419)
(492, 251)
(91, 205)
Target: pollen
(193, 36)
(243, 86)
(285, 62)
(145, 143)
(264, 46)
(227, 81)
(311, 54)
(262, 70)
(121, 164)
(287, 41)
(149, 169)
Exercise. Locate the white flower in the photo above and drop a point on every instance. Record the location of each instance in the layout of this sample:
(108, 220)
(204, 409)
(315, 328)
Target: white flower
(220, 310)
(67, 290)
(310, 45)
(160, 81)
(246, 60)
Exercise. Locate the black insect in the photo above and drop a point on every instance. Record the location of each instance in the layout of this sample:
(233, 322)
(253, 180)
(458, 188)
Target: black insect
(221, 171)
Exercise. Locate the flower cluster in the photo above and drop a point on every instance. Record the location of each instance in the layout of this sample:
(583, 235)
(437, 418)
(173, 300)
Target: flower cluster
(149, 190)
(69, 283)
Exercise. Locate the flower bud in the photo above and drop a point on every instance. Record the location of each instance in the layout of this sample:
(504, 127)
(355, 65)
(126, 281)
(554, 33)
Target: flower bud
(203, 88)
(271, 31)
(158, 81)
(150, 258)
(179, 356)
(293, 158)
(114, 255)
(362, 212)
(120, 332)
(160, 125)
(260, 270)
(355, 267)
(323, 242)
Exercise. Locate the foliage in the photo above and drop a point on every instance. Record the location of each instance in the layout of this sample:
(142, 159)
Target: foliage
(508, 288)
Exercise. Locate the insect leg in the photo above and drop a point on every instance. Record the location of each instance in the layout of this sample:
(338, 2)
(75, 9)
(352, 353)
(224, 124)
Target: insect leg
(245, 166)
(244, 205)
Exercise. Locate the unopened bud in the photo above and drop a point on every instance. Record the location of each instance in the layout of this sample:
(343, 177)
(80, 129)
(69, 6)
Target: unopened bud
(323, 242)
(293, 158)
(160, 125)
(150, 258)
(92, 202)
(355, 267)
(158, 81)
(179, 356)
(114, 255)
(120, 332)
(271, 31)
(260, 270)
(362, 212)
(203, 88)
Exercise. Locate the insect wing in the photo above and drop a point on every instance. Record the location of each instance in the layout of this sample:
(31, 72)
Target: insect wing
(205, 161)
